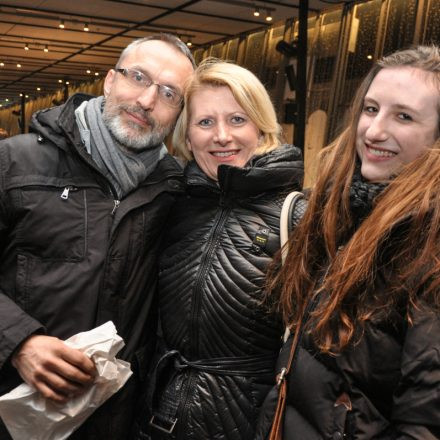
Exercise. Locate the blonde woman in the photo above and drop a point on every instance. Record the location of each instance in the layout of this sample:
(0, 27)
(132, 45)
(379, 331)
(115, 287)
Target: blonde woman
(216, 362)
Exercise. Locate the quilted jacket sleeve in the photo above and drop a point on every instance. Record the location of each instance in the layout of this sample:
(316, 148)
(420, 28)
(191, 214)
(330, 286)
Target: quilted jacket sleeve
(416, 410)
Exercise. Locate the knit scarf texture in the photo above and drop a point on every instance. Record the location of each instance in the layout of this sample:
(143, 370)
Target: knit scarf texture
(125, 171)
(362, 195)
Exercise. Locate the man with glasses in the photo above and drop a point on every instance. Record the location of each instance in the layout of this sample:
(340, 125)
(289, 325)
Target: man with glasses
(83, 203)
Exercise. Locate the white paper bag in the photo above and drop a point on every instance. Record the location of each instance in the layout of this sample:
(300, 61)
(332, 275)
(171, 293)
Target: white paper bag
(29, 416)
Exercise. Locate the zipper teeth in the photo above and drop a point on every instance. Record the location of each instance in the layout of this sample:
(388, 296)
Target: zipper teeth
(183, 410)
(194, 312)
(204, 265)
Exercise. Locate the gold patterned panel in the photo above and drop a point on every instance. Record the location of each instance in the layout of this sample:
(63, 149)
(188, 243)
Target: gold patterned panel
(217, 50)
(432, 30)
(232, 49)
(254, 56)
(400, 27)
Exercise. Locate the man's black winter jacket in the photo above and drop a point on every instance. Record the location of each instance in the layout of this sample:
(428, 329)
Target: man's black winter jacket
(73, 257)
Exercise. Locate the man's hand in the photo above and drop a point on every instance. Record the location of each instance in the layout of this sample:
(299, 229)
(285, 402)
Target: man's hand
(57, 371)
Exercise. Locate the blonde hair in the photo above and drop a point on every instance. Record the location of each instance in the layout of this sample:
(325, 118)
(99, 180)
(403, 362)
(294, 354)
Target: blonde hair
(247, 90)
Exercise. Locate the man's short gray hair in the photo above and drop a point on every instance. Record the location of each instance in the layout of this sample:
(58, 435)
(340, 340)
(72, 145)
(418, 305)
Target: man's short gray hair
(172, 40)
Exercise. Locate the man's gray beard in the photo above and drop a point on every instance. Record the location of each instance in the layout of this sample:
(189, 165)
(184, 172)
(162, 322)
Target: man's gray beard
(134, 142)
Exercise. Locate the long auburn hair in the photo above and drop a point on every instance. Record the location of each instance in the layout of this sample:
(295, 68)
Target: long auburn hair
(344, 277)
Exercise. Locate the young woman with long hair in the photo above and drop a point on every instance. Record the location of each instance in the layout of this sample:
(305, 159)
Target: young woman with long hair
(361, 282)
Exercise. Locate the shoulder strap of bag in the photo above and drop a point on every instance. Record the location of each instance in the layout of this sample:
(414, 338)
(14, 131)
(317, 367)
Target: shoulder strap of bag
(276, 432)
(290, 216)
(285, 220)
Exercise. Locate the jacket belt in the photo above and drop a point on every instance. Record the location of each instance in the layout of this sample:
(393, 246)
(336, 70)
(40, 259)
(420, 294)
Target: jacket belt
(164, 419)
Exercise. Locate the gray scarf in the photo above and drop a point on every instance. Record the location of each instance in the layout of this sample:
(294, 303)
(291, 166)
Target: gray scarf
(125, 171)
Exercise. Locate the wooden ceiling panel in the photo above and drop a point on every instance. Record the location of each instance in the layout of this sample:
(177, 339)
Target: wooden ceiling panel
(112, 25)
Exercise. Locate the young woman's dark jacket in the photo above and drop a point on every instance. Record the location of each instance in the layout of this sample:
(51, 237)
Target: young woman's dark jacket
(387, 387)
(220, 344)
(71, 263)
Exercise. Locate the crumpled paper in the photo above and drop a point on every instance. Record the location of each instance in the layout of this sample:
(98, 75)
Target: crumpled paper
(28, 415)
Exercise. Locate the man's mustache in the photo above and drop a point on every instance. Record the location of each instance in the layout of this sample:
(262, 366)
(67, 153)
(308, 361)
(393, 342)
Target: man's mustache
(143, 114)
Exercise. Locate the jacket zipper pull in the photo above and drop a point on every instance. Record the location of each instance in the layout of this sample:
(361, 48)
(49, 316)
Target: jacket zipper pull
(65, 193)
(115, 207)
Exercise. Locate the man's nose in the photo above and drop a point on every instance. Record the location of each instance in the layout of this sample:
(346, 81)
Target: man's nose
(147, 99)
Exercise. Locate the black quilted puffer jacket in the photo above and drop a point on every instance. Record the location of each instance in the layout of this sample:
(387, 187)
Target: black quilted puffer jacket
(220, 344)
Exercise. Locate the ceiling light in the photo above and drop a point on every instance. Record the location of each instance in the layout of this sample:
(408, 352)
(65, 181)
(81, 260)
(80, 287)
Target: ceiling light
(86, 27)
(27, 96)
(370, 57)
(60, 80)
(26, 47)
(7, 99)
(268, 16)
(96, 73)
(2, 64)
(38, 88)
(189, 43)
(67, 82)
(61, 25)
(88, 71)
(21, 94)
(46, 49)
(256, 12)
(18, 65)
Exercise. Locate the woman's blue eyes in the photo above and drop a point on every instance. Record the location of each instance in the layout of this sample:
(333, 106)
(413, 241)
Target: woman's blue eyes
(238, 119)
(235, 120)
(205, 122)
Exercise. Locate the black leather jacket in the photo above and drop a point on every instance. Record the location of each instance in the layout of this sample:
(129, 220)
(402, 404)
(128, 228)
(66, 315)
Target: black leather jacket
(220, 344)
(71, 263)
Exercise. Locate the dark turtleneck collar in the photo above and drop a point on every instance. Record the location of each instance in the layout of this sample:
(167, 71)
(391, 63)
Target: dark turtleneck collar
(281, 169)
